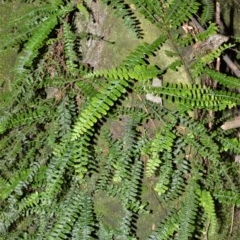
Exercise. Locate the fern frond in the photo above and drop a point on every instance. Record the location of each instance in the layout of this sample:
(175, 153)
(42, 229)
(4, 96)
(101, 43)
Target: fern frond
(106, 179)
(201, 36)
(188, 214)
(25, 23)
(105, 233)
(228, 81)
(99, 106)
(85, 227)
(130, 153)
(16, 183)
(207, 203)
(80, 157)
(197, 129)
(202, 61)
(138, 72)
(110, 92)
(38, 39)
(123, 11)
(207, 11)
(126, 229)
(66, 112)
(180, 11)
(176, 187)
(57, 168)
(203, 151)
(31, 47)
(229, 144)
(180, 170)
(74, 210)
(138, 57)
(87, 88)
(132, 184)
(162, 142)
(150, 9)
(167, 227)
(228, 197)
(28, 117)
(30, 204)
(196, 96)
(165, 175)
(211, 30)
(70, 55)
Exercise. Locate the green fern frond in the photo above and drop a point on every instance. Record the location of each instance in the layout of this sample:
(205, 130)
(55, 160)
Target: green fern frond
(207, 11)
(107, 172)
(38, 39)
(25, 23)
(85, 227)
(123, 11)
(138, 72)
(66, 112)
(180, 11)
(57, 168)
(70, 55)
(167, 227)
(130, 153)
(229, 144)
(104, 232)
(126, 229)
(30, 204)
(99, 106)
(228, 197)
(202, 61)
(31, 47)
(80, 157)
(228, 81)
(16, 182)
(196, 96)
(162, 142)
(150, 9)
(189, 39)
(204, 152)
(180, 170)
(165, 175)
(110, 93)
(132, 184)
(72, 210)
(138, 57)
(87, 88)
(176, 187)
(211, 30)
(207, 203)
(188, 214)
(84, 10)
(27, 118)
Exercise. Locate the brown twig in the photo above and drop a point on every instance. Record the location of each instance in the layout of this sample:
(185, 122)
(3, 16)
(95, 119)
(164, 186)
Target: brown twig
(217, 67)
(231, 65)
(217, 16)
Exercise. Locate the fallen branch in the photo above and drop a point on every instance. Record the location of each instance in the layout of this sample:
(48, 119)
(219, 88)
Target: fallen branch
(232, 124)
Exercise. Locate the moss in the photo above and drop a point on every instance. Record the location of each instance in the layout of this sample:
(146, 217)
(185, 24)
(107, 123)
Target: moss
(109, 208)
